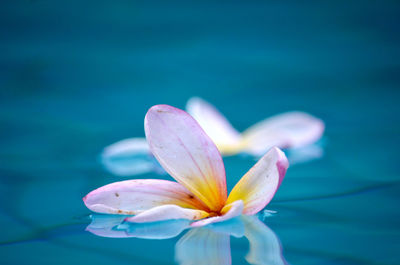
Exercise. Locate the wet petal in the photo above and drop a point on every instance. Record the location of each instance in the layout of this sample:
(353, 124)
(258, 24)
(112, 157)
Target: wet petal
(214, 124)
(291, 129)
(167, 212)
(202, 246)
(265, 247)
(257, 187)
(134, 196)
(187, 153)
(230, 211)
(130, 157)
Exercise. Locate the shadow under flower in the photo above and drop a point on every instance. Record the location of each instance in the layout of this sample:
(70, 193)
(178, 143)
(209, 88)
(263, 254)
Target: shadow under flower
(200, 246)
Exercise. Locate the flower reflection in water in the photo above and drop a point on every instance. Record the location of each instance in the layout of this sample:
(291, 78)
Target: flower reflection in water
(203, 245)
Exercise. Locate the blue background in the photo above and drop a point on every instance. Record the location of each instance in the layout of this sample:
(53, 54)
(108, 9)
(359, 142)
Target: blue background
(76, 76)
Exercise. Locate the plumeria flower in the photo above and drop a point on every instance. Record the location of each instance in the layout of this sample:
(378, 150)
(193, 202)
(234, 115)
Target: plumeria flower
(287, 130)
(186, 152)
(199, 245)
(295, 131)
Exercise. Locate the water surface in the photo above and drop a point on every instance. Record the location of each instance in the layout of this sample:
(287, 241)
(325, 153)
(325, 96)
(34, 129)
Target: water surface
(75, 77)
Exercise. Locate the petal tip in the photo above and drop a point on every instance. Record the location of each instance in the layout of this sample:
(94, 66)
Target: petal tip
(154, 112)
(194, 99)
(195, 102)
(86, 199)
(280, 154)
(282, 164)
(161, 108)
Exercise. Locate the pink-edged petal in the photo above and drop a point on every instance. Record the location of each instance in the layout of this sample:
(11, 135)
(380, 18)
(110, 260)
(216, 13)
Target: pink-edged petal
(265, 247)
(287, 130)
(230, 211)
(202, 246)
(257, 187)
(187, 153)
(130, 157)
(134, 196)
(214, 124)
(167, 212)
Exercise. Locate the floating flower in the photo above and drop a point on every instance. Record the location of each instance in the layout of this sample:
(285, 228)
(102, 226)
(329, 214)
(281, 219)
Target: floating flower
(294, 130)
(186, 152)
(287, 130)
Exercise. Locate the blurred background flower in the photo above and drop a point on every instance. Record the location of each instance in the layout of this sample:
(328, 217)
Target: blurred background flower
(296, 131)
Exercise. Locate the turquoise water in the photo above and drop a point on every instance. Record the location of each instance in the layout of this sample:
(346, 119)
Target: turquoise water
(76, 77)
